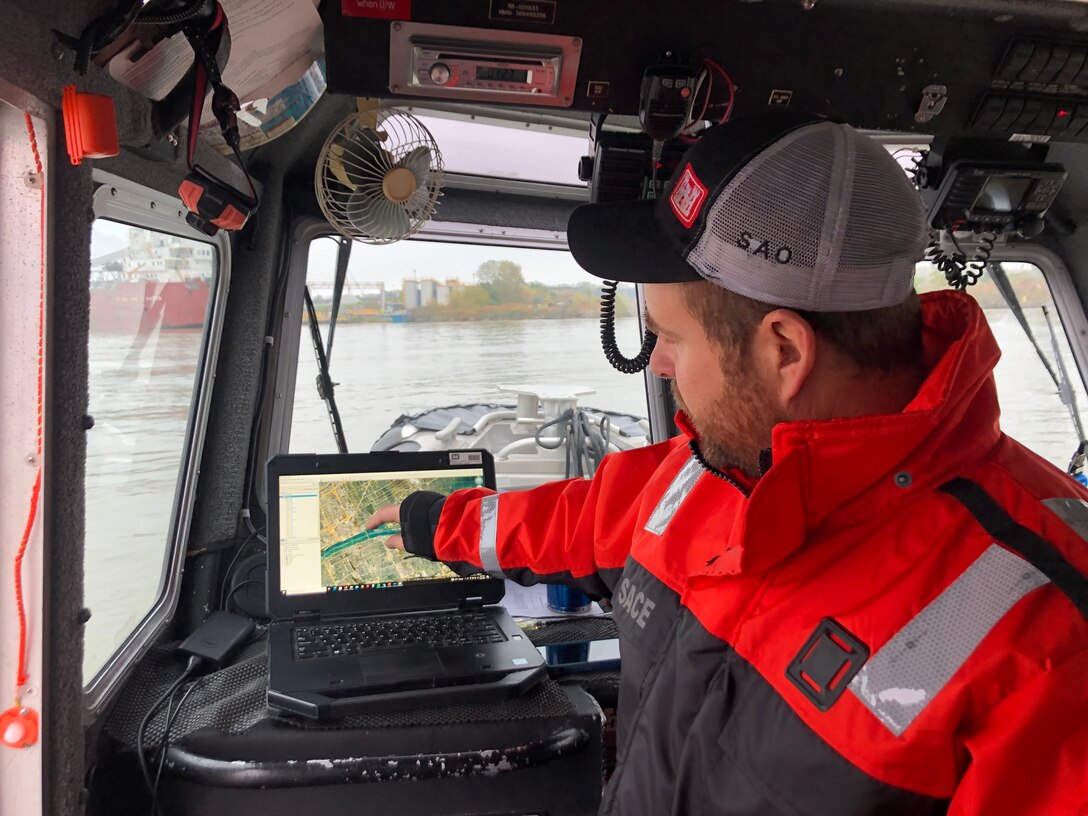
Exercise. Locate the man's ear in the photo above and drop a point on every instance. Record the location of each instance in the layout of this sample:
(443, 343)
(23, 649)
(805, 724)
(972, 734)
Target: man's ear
(785, 348)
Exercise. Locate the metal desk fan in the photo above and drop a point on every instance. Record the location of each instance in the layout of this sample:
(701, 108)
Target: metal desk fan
(379, 175)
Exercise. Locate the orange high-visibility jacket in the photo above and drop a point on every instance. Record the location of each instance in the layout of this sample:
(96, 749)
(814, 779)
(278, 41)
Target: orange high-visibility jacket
(891, 621)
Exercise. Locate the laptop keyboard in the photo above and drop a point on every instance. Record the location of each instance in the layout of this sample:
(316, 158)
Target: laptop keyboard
(451, 629)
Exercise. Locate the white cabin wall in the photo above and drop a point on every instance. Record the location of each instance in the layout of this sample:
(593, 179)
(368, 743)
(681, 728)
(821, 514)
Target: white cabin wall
(29, 62)
(20, 460)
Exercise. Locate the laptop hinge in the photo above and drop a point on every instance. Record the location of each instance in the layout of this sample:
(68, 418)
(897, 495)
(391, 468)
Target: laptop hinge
(306, 616)
(471, 603)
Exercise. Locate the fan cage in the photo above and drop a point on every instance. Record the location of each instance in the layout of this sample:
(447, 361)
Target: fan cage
(348, 177)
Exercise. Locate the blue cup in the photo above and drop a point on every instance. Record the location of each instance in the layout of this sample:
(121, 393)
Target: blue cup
(566, 599)
(562, 654)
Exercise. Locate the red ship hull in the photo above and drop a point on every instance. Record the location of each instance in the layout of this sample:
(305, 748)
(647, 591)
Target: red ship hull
(138, 307)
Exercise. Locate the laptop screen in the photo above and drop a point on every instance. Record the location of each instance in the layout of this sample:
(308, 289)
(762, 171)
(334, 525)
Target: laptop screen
(324, 544)
(321, 558)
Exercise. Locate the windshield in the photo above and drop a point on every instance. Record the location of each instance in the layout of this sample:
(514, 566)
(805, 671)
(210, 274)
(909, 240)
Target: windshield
(427, 325)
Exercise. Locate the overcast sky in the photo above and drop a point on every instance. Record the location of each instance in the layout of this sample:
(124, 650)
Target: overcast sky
(392, 263)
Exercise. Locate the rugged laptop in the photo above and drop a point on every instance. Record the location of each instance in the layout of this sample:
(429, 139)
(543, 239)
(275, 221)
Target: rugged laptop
(358, 627)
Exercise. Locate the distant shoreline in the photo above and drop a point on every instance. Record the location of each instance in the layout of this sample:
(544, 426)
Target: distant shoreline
(985, 292)
(455, 314)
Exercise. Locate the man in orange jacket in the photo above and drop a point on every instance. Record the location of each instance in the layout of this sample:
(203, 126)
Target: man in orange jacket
(841, 589)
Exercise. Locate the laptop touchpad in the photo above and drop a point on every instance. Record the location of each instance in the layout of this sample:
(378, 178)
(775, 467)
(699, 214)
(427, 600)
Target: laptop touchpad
(401, 663)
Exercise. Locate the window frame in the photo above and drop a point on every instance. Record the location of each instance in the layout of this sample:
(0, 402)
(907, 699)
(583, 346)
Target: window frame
(288, 337)
(126, 202)
(1071, 313)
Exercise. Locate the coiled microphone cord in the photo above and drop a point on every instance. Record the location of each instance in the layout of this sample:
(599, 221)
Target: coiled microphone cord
(958, 271)
(631, 365)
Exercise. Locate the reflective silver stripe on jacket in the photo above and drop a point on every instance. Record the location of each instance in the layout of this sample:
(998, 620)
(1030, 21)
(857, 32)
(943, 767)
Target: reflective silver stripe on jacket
(489, 528)
(1073, 512)
(681, 485)
(910, 670)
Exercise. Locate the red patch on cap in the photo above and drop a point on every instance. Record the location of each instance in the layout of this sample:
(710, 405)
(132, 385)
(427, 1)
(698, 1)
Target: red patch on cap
(687, 197)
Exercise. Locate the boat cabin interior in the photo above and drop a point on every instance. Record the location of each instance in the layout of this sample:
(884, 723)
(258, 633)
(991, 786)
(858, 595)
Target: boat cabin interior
(238, 229)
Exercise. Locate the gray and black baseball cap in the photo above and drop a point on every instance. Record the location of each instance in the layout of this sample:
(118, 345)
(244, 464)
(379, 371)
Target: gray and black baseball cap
(788, 209)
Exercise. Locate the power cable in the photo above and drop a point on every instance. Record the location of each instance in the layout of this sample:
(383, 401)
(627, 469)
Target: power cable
(193, 664)
(234, 589)
(223, 595)
(164, 743)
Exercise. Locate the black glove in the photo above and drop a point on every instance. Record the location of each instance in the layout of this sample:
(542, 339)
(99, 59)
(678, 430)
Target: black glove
(419, 514)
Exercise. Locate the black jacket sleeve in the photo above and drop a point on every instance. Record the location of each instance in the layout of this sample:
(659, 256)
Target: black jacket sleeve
(419, 515)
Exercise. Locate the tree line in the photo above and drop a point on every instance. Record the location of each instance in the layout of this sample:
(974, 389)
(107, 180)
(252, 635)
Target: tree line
(501, 292)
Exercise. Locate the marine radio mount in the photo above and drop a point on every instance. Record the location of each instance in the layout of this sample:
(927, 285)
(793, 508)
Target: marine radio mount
(979, 185)
(988, 188)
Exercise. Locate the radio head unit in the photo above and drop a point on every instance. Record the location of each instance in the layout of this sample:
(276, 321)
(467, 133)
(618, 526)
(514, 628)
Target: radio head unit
(483, 65)
(980, 185)
(995, 196)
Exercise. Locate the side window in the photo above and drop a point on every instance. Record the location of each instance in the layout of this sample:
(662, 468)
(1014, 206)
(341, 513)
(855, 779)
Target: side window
(1040, 390)
(443, 345)
(151, 299)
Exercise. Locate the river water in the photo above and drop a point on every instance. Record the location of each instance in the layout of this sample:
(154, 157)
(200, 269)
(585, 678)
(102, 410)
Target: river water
(387, 369)
(140, 400)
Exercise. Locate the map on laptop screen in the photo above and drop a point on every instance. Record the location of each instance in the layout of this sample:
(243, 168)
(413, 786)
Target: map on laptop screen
(324, 545)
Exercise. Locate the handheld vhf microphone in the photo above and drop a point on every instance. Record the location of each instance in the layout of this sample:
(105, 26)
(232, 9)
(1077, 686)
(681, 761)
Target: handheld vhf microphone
(664, 100)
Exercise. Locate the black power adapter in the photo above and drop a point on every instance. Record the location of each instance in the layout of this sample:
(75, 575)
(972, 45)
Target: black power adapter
(217, 639)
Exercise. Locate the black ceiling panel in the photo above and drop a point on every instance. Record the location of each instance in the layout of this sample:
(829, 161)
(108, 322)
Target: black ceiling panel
(867, 63)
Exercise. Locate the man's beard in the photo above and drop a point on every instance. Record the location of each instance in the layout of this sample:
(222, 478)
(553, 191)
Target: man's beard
(734, 431)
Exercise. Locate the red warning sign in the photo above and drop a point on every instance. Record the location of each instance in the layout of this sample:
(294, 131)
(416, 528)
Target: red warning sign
(379, 9)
